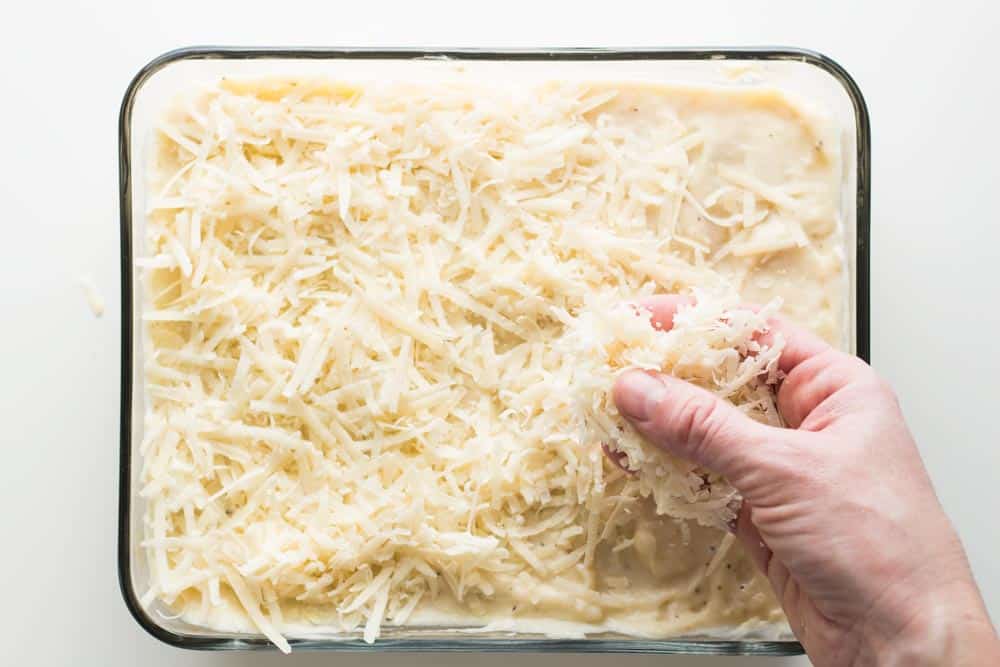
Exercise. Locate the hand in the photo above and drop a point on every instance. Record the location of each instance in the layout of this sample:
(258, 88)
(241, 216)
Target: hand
(838, 511)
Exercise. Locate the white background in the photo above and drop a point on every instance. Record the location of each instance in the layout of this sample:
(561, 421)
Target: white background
(928, 71)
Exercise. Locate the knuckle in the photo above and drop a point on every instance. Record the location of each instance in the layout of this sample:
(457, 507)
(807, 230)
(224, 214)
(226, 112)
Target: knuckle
(877, 391)
(886, 391)
(696, 423)
(794, 460)
(819, 385)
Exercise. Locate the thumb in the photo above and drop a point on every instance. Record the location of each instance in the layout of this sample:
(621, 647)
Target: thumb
(696, 425)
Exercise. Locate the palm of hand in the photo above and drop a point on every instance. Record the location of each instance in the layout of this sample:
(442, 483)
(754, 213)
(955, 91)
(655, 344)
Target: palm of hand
(865, 564)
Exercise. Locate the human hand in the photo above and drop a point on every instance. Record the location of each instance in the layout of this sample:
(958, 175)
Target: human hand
(838, 511)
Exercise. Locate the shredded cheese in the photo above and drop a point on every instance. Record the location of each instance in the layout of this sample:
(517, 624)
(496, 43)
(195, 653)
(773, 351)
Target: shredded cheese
(713, 344)
(372, 314)
(95, 301)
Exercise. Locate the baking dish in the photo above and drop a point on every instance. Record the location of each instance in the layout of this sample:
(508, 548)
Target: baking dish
(808, 75)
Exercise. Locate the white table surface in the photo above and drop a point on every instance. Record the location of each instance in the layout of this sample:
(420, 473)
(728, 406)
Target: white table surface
(930, 81)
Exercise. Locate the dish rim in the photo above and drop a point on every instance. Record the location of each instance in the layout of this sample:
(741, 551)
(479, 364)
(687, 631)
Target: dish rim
(462, 643)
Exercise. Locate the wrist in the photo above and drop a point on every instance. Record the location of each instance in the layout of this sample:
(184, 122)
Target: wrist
(950, 628)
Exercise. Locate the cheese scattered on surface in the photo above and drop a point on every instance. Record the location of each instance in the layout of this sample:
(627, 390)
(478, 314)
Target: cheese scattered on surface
(95, 301)
(361, 393)
(712, 344)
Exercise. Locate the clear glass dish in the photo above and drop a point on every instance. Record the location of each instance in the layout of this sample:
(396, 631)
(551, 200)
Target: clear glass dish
(809, 75)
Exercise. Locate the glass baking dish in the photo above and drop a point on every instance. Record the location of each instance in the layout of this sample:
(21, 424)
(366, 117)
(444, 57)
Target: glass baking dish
(809, 75)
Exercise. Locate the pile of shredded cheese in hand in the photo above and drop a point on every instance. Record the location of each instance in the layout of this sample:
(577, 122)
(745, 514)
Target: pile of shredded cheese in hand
(713, 343)
(361, 382)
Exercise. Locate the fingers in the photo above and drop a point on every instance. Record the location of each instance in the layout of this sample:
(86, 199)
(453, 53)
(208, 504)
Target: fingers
(813, 381)
(693, 424)
(800, 344)
(662, 308)
(618, 458)
(814, 370)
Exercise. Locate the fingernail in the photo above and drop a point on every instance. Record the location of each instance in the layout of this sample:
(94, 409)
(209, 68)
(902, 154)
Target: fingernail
(637, 391)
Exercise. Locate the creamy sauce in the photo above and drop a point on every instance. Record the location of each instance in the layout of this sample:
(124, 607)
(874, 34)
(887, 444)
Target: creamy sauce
(772, 175)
